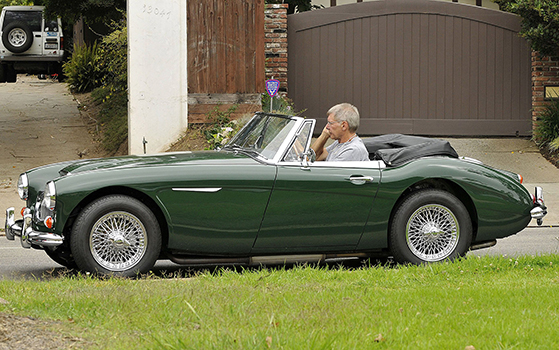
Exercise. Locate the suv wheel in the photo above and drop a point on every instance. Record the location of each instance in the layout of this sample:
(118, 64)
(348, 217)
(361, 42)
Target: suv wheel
(17, 37)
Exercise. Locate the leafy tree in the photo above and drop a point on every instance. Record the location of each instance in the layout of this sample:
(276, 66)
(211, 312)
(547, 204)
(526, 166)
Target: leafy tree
(96, 11)
(14, 3)
(540, 22)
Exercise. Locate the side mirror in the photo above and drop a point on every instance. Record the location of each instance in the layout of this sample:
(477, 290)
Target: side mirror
(308, 157)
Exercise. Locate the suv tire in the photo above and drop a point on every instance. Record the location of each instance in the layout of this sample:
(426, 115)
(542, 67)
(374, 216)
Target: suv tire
(17, 37)
(11, 74)
(3, 71)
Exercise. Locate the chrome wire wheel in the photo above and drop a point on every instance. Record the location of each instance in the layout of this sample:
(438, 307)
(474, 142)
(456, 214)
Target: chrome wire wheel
(118, 241)
(432, 232)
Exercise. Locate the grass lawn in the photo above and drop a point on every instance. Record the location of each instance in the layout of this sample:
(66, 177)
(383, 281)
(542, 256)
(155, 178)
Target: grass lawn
(487, 303)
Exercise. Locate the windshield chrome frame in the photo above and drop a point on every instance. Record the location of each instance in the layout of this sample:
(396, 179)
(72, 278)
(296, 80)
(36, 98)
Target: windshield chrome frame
(298, 129)
(282, 149)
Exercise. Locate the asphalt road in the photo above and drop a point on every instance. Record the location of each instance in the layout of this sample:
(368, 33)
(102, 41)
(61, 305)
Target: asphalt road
(19, 263)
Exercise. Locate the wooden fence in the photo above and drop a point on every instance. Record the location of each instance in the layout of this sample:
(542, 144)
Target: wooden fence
(225, 56)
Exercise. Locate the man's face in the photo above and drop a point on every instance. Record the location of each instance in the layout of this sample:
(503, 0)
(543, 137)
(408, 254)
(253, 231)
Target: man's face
(335, 128)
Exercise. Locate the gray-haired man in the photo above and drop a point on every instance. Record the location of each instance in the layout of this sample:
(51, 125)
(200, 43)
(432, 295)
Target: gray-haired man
(343, 121)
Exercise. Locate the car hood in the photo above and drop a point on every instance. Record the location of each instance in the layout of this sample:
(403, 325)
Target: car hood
(146, 161)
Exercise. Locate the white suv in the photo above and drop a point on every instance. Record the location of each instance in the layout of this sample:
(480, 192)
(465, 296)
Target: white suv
(30, 43)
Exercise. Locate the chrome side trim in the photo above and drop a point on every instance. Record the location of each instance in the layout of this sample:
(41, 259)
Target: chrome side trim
(483, 245)
(373, 164)
(204, 190)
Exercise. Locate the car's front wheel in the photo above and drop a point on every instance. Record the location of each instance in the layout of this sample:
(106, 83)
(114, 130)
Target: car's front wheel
(430, 225)
(116, 235)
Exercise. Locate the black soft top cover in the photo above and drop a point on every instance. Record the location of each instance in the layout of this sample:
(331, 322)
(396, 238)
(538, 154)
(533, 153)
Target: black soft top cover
(397, 149)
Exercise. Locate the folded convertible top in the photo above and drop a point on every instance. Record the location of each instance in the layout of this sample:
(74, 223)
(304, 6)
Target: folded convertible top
(397, 149)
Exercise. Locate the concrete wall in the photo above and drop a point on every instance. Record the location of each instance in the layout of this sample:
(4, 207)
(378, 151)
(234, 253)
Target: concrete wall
(157, 75)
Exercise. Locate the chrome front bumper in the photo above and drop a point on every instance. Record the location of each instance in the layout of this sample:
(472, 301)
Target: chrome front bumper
(23, 229)
(539, 210)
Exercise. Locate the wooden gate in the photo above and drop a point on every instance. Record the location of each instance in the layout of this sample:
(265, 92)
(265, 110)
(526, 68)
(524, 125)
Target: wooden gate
(413, 66)
(225, 56)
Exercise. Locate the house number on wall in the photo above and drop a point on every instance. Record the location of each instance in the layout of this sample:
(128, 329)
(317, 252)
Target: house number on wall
(150, 10)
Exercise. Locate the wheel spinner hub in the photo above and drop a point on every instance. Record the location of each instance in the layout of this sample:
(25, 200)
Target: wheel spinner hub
(432, 232)
(118, 241)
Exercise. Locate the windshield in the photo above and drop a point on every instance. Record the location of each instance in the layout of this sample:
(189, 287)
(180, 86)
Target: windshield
(264, 134)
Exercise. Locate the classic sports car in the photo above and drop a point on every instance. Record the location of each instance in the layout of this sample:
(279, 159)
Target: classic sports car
(263, 199)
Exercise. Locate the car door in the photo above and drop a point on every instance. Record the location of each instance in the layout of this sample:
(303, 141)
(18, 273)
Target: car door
(218, 207)
(322, 206)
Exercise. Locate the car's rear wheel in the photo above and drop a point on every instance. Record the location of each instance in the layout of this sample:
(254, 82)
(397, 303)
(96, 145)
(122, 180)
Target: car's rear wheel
(17, 37)
(116, 235)
(430, 225)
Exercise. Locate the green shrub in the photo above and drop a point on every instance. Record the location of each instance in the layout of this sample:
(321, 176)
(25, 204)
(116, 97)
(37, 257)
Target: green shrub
(82, 70)
(113, 118)
(546, 132)
(221, 128)
(113, 58)
(279, 104)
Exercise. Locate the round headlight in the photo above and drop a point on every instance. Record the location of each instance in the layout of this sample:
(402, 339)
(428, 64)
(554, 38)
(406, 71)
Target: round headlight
(50, 196)
(23, 186)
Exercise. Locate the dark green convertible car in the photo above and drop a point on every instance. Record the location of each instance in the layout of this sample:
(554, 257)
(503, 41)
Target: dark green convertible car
(263, 199)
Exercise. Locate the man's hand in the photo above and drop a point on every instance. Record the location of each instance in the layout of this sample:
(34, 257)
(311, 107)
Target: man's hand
(318, 145)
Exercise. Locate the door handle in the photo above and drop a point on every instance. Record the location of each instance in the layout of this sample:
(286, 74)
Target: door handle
(360, 179)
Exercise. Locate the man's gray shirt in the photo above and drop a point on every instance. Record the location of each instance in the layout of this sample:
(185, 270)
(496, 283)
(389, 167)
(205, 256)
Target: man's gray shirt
(352, 150)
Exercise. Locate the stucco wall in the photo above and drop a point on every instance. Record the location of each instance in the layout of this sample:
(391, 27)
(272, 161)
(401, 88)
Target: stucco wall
(157, 75)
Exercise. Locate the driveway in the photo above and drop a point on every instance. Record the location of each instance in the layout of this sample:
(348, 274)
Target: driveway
(39, 124)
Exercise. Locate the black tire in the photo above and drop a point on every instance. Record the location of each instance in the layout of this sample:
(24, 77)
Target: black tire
(3, 71)
(106, 249)
(17, 37)
(11, 74)
(61, 255)
(430, 225)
